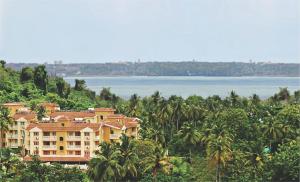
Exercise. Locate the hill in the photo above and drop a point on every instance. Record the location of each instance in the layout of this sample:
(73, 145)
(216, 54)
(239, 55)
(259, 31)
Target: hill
(170, 69)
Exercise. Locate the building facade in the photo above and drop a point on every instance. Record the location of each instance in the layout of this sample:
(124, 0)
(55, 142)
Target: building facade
(67, 136)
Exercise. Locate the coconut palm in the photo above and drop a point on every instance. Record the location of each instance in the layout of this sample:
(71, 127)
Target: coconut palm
(219, 152)
(105, 166)
(157, 162)
(128, 158)
(133, 105)
(273, 130)
(5, 121)
(189, 136)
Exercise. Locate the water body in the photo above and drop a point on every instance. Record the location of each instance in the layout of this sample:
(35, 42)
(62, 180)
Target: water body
(186, 86)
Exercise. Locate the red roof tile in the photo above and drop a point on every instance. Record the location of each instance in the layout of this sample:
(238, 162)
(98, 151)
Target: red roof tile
(68, 126)
(72, 114)
(28, 116)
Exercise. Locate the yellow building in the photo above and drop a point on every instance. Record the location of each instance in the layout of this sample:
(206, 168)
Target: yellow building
(66, 136)
(14, 107)
(68, 141)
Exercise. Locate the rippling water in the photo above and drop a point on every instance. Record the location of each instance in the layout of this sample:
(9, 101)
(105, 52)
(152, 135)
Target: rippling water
(186, 86)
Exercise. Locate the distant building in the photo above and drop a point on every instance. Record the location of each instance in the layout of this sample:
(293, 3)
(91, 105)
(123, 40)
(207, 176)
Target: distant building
(66, 136)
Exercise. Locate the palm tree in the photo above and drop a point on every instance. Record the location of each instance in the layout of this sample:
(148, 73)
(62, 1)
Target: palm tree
(106, 165)
(273, 130)
(190, 136)
(157, 162)
(5, 121)
(133, 105)
(128, 158)
(219, 152)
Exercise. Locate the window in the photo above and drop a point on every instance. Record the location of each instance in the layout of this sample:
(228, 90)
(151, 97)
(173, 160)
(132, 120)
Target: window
(97, 133)
(54, 152)
(46, 133)
(35, 133)
(111, 131)
(46, 152)
(97, 143)
(77, 143)
(62, 124)
(86, 134)
(70, 152)
(35, 143)
(77, 152)
(86, 153)
(61, 138)
(77, 134)
(22, 123)
(86, 143)
(61, 148)
(53, 133)
(46, 143)
(101, 117)
(36, 152)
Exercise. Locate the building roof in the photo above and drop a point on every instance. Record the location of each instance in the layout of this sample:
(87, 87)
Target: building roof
(26, 115)
(127, 122)
(103, 109)
(117, 116)
(72, 114)
(71, 126)
(59, 159)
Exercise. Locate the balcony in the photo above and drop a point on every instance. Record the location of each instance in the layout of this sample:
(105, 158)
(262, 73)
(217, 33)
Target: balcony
(74, 138)
(14, 127)
(49, 138)
(14, 136)
(13, 145)
(49, 147)
(73, 147)
(114, 136)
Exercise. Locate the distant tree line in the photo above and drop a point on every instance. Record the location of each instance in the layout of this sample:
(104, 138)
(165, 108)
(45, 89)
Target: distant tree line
(170, 69)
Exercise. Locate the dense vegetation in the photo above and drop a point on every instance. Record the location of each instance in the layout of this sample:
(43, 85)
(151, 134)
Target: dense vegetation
(193, 139)
(171, 69)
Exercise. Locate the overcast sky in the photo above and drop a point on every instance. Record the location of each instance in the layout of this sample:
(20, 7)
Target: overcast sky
(149, 30)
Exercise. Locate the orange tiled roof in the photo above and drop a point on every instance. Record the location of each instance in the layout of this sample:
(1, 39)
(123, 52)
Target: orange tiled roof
(26, 115)
(68, 127)
(116, 116)
(60, 159)
(104, 109)
(72, 114)
(127, 122)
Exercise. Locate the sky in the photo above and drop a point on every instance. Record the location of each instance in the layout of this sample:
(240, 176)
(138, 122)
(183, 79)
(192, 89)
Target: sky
(91, 31)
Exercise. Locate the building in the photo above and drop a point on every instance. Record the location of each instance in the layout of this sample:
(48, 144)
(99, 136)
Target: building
(66, 136)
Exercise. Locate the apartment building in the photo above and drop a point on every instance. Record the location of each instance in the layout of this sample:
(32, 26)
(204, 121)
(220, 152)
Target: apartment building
(66, 136)
(70, 140)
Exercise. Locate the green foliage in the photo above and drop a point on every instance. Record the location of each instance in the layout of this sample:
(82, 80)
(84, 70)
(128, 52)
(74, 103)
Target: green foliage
(41, 78)
(224, 138)
(79, 85)
(26, 74)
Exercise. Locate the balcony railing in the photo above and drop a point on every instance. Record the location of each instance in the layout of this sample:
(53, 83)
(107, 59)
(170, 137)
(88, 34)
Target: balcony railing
(74, 138)
(14, 145)
(114, 136)
(49, 147)
(74, 147)
(14, 127)
(12, 136)
(49, 137)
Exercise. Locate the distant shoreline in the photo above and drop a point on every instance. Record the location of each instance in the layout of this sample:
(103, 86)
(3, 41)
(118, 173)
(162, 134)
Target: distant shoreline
(205, 69)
